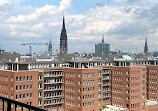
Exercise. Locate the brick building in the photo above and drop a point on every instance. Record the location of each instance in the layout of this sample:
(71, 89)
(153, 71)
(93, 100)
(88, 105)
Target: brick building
(20, 85)
(73, 89)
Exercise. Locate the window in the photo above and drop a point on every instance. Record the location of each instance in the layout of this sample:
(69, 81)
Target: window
(79, 90)
(16, 97)
(39, 94)
(12, 79)
(24, 78)
(20, 79)
(11, 87)
(79, 82)
(39, 103)
(30, 78)
(79, 75)
(27, 96)
(16, 88)
(30, 87)
(79, 105)
(20, 87)
(23, 96)
(16, 79)
(39, 86)
(23, 87)
(27, 87)
(30, 95)
(39, 77)
(20, 96)
(27, 78)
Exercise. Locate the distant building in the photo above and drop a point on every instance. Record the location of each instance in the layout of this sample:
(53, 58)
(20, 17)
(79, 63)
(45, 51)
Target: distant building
(63, 40)
(146, 48)
(102, 48)
(50, 48)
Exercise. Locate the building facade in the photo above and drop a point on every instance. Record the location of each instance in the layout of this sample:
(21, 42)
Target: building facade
(88, 89)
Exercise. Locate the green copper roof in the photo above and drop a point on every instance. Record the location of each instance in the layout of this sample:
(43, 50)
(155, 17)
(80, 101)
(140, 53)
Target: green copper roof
(126, 57)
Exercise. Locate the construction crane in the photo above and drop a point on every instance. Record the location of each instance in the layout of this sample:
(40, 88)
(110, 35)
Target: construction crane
(31, 44)
(122, 49)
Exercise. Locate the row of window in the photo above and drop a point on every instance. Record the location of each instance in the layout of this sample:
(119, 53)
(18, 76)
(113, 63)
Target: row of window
(116, 96)
(70, 74)
(70, 103)
(55, 109)
(88, 104)
(24, 96)
(136, 105)
(153, 70)
(117, 90)
(118, 104)
(153, 91)
(153, 98)
(87, 97)
(153, 86)
(69, 88)
(22, 87)
(117, 78)
(118, 84)
(4, 94)
(22, 79)
(118, 72)
(88, 82)
(3, 78)
(88, 75)
(89, 89)
(70, 81)
(135, 98)
(69, 95)
(153, 75)
(134, 78)
(153, 80)
(4, 86)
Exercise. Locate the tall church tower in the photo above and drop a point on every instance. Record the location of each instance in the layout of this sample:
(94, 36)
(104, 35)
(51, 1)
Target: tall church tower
(146, 47)
(50, 45)
(63, 39)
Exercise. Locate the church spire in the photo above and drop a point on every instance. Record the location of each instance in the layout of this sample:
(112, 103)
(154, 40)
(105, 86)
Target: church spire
(63, 39)
(146, 47)
(63, 23)
(103, 38)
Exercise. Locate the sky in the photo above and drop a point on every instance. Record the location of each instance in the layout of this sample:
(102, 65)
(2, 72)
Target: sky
(124, 23)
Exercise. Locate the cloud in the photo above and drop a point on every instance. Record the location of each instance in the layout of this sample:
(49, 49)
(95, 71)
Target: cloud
(124, 25)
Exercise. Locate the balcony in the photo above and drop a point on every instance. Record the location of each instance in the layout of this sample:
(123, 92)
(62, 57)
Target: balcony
(51, 82)
(52, 75)
(105, 91)
(105, 84)
(106, 78)
(105, 97)
(48, 102)
(55, 89)
(16, 103)
(54, 96)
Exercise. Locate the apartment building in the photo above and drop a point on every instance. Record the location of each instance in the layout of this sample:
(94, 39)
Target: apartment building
(152, 82)
(72, 89)
(133, 88)
(20, 85)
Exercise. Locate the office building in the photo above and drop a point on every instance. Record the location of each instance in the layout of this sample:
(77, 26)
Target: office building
(102, 48)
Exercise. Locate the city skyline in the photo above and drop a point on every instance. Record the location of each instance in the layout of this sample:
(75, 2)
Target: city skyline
(37, 21)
